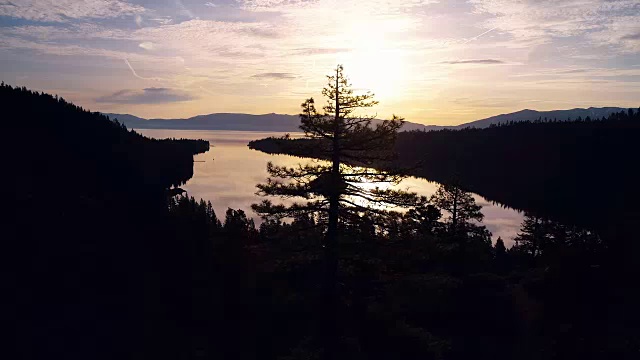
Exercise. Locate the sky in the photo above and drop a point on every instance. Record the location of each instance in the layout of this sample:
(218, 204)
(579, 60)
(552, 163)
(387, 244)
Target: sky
(429, 61)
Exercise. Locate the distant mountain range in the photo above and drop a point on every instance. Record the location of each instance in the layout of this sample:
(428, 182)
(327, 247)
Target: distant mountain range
(228, 121)
(290, 123)
(532, 115)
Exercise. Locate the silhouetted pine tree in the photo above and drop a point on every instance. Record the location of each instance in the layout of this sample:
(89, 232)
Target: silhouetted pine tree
(459, 204)
(333, 191)
(423, 218)
(534, 235)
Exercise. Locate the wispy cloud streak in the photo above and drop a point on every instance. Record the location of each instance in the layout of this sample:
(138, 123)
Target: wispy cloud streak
(133, 71)
(474, 61)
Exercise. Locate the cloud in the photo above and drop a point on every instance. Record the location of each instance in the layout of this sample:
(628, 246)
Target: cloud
(147, 45)
(622, 33)
(605, 21)
(580, 74)
(184, 10)
(383, 6)
(635, 36)
(133, 71)
(202, 34)
(156, 90)
(210, 4)
(275, 75)
(487, 102)
(63, 10)
(162, 20)
(50, 33)
(573, 71)
(275, 4)
(146, 96)
(320, 51)
(475, 61)
(191, 31)
(200, 40)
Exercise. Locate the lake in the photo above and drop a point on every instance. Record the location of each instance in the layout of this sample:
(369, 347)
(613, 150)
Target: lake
(227, 175)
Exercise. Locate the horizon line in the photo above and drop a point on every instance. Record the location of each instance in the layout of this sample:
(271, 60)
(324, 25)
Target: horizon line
(413, 122)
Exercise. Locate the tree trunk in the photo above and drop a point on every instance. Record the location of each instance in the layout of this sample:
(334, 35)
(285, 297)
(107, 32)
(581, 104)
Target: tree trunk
(330, 301)
(330, 248)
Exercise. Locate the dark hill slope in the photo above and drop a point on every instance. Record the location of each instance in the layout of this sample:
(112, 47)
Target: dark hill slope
(90, 269)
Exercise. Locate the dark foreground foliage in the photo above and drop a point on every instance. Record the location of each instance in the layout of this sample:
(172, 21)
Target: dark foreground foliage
(412, 291)
(98, 262)
(579, 172)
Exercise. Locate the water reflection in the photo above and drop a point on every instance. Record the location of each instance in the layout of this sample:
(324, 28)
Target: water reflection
(228, 173)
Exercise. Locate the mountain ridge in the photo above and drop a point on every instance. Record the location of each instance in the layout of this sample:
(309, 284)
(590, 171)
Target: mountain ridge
(291, 123)
(228, 121)
(532, 115)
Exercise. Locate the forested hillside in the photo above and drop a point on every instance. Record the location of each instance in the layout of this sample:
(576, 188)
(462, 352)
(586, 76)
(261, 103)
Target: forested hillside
(579, 171)
(90, 265)
(553, 115)
(71, 142)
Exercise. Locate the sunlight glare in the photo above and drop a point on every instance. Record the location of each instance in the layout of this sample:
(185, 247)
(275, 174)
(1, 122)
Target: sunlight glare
(375, 64)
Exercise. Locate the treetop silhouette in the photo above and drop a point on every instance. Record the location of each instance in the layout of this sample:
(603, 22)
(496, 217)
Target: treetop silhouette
(334, 191)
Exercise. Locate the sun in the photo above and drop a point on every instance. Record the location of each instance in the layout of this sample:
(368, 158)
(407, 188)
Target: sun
(374, 64)
(378, 71)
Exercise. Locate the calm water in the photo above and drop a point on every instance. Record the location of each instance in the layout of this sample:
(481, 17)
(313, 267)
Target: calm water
(228, 173)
